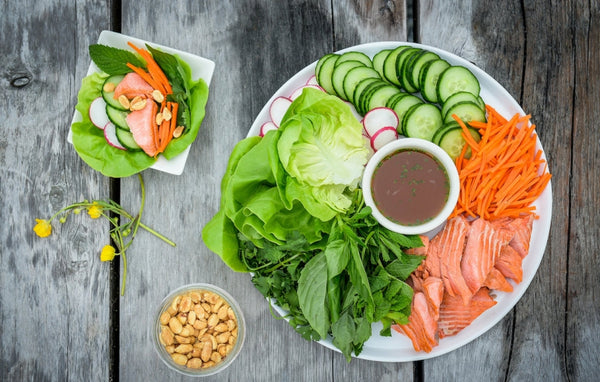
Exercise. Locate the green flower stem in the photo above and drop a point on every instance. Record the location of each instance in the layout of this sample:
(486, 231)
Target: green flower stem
(160, 236)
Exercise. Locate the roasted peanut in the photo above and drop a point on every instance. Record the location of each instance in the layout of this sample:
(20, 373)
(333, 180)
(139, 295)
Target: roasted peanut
(109, 87)
(158, 96)
(164, 318)
(194, 363)
(175, 325)
(179, 359)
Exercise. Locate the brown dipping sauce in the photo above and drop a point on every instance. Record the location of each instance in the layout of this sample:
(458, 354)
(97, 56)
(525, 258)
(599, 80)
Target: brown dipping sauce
(410, 187)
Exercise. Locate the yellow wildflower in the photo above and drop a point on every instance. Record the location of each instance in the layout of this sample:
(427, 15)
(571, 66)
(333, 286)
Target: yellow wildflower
(42, 228)
(95, 211)
(108, 253)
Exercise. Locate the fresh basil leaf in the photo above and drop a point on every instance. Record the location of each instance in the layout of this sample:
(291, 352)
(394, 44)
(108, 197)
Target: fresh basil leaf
(312, 294)
(113, 60)
(343, 331)
(358, 275)
(337, 256)
(400, 269)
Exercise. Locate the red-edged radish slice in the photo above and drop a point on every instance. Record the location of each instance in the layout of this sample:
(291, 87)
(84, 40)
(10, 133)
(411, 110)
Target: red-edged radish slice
(353, 109)
(312, 80)
(382, 136)
(110, 134)
(266, 127)
(379, 118)
(296, 93)
(97, 113)
(278, 109)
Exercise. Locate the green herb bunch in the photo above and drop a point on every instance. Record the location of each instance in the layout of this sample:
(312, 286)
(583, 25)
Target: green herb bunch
(341, 285)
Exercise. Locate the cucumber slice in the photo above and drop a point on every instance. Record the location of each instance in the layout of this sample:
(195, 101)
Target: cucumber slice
(429, 77)
(126, 139)
(456, 79)
(381, 96)
(389, 65)
(467, 111)
(402, 63)
(417, 65)
(422, 121)
(354, 77)
(452, 142)
(379, 59)
(339, 73)
(365, 96)
(394, 99)
(360, 88)
(460, 97)
(118, 117)
(442, 130)
(402, 106)
(320, 63)
(325, 72)
(355, 56)
(109, 96)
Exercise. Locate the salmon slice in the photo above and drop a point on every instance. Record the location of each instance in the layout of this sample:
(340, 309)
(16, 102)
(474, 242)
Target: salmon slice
(455, 316)
(496, 280)
(433, 288)
(451, 242)
(522, 228)
(141, 123)
(510, 264)
(483, 248)
(133, 85)
(421, 328)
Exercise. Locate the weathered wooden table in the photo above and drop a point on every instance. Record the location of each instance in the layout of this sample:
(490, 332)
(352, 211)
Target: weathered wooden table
(61, 316)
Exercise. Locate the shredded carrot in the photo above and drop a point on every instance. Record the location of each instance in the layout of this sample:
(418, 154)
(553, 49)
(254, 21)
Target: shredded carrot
(505, 172)
(153, 69)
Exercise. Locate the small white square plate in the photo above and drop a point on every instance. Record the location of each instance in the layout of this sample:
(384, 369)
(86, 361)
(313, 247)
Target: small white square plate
(200, 68)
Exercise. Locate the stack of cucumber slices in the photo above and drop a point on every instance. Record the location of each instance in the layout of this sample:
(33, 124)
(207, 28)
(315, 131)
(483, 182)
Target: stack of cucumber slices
(424, 91)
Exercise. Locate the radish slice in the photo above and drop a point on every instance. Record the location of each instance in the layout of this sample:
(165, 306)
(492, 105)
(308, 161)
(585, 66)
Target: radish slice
(296, 93)
(278, 109)
(110, 134)
(382, 136)
(98, 114)
(379, 118)
(312, 81)
(359, 117)
(266, 127)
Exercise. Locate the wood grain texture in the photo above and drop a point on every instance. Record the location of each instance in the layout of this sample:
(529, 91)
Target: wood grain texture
(54, 292)
(256, 47)
(582, 332)
(55, 306)
(490, 35)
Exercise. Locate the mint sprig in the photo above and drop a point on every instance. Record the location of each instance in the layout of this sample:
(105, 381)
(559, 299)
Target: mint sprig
(112, 60)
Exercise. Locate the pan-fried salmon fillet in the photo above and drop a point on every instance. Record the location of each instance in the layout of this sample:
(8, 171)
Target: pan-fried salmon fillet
(133, 85)
(141, 122)
(455, 316)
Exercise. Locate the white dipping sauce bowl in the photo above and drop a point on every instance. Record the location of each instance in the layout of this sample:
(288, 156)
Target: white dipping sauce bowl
(423, 146)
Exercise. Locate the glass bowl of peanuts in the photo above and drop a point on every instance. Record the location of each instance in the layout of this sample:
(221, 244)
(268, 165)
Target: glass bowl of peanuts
(199, 330)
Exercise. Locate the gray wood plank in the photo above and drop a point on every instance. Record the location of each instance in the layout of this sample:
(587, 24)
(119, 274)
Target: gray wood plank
(354, 23)
(54, 292)
(479, 36)
(257, 47)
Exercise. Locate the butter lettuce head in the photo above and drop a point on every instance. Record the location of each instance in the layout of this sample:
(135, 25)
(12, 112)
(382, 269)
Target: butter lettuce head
(322, 148)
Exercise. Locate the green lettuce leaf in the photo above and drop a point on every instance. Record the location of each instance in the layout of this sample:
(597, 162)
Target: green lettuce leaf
(322, 148)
